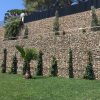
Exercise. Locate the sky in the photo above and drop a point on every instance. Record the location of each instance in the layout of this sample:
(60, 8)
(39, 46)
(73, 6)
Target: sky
(9, 4)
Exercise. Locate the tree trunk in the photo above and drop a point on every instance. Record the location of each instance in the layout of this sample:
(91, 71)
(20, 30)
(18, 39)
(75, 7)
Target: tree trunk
(27, 71)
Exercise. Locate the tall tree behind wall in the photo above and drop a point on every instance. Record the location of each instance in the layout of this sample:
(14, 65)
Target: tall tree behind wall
(43, 4)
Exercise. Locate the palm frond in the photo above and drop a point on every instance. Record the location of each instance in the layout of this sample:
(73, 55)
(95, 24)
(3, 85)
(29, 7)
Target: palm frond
(21, 50)
(31, 54)
(35, 54)
(27, 54)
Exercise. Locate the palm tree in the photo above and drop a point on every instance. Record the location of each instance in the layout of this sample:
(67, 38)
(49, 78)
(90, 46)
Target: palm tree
(27, 54)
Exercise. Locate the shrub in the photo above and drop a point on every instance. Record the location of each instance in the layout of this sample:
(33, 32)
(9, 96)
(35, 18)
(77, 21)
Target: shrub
(26, 32)
(56, 24)
(12, 28)
(40, 64)
(54, 67)
(94, 21)
(4, 61)
(14, 65)
(89, 74)
(70, 68)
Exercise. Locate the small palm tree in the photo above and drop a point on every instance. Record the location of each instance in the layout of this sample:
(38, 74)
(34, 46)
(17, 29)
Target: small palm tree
(27, 54)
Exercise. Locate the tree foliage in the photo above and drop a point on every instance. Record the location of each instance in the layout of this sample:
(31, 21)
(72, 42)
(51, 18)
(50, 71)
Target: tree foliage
(89, 74)
(54, 67)
(56, 24)
(4, 66)
(95, 22)
(27, 54)
(40, 64)
(33, 4)
(14, 65)
(12, 28)
(70, 68)
(43, 4)
(13, 12)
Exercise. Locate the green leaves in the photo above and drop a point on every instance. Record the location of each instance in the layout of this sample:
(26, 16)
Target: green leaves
(40, 64)
(14, 65)
(89, 73)
(70, 67)
(31, 54)
(32, 5)
(94, 21)
(54, 67)
(56, 24)
(12, 28)
(28, 54)
(21, 50)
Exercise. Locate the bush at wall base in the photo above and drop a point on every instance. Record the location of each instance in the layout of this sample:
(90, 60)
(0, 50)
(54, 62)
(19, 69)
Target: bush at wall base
(14, 65)
(70, 68)
(3, 66)
(54, 67)
(40, 64)
(89, 73)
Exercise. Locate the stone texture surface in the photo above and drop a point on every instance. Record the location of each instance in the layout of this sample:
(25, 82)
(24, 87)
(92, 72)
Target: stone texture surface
(41, 38)
(73, 21)
(2, 32)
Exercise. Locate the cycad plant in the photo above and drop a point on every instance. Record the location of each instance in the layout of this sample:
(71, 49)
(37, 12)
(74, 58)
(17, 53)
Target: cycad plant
(27, 54)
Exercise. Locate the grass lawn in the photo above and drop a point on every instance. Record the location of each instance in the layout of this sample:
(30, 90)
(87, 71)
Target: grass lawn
(15, 87)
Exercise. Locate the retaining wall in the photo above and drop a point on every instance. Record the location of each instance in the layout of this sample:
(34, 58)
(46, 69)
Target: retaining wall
(40, 37)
